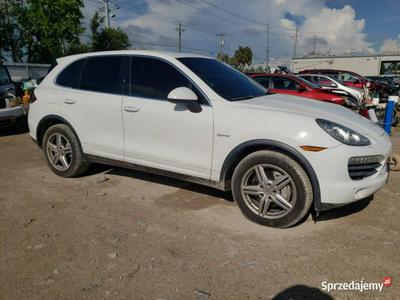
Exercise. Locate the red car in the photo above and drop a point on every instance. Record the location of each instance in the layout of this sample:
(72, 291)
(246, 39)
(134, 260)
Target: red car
(348, 77)
(296, 86)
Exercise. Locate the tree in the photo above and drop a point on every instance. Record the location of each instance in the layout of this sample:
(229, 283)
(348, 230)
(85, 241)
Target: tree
(261, 69)
(77, 47)
(10, 41)
(243, 56)
(225, 58)
(108, 38)
(46, 25)
(111, 39)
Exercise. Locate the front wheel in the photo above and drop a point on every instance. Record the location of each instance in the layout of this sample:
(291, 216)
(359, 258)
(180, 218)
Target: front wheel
(62, 151)
(272, 189)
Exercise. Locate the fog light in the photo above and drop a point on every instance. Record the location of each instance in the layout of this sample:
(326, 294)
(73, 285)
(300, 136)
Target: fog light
(361, 160)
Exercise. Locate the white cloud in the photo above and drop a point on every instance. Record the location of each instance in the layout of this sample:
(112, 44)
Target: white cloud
(337, 30)
(390, 45)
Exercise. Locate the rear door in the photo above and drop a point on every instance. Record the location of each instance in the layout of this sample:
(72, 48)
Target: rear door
(93, 105)
(285, 85)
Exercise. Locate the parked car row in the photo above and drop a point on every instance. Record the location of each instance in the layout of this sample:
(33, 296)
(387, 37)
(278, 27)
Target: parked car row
(304, 87)
(197, 119)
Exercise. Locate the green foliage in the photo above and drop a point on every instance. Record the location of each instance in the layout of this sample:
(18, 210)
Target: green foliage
(108, 38)
(9, 35)
(225, 58)
(243, 56)
(42, 26)
(261, 70)
(77, 47)
(111, 39)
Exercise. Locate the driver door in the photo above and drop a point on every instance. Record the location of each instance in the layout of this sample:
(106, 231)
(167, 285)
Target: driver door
(159, 134)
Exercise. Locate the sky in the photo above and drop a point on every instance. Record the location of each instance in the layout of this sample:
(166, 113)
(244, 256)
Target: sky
(336, 26)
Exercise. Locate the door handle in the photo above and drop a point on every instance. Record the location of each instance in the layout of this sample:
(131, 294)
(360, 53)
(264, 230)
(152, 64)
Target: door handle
(9, 89)
(69, 101)
(131, 109)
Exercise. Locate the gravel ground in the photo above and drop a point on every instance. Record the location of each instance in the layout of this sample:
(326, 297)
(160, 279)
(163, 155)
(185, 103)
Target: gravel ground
(141, 236)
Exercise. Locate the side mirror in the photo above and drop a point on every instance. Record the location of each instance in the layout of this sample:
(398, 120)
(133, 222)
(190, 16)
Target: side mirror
(301, 88)
(334, 85)
(185, 96)
(356, 81)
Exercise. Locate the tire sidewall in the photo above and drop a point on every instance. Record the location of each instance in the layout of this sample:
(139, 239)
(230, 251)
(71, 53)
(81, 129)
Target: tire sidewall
(66, 132)
(291, 168)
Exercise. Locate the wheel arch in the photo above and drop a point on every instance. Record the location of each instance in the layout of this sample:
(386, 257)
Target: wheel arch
(244, 149)
(48, 121)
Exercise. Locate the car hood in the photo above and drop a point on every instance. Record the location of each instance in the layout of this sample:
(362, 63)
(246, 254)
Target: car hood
(315, 109)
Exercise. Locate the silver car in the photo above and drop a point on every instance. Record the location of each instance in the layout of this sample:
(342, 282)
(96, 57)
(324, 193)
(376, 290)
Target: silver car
(336, 86)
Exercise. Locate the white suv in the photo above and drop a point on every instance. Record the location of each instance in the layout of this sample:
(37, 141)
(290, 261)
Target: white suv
(197, 119)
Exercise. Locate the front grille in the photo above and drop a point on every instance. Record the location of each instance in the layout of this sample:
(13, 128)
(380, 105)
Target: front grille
(2, 103)
(361, 171)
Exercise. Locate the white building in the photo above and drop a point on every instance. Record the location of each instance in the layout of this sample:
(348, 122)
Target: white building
(366, 65)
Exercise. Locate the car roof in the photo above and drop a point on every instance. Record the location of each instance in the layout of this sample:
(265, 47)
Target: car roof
(269, 74)
(155, 53)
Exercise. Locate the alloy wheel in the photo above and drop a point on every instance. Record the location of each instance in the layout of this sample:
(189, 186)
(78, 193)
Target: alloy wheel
(268, 191)
(59, 151)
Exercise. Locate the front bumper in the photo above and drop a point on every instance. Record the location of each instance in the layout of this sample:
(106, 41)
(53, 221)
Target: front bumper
(331, 168)
(9, 116)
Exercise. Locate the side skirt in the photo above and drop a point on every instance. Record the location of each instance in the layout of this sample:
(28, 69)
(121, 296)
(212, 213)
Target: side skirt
(107, 161)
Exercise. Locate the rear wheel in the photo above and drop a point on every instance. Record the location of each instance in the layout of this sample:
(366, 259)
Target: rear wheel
(62, 152)
(272, 189)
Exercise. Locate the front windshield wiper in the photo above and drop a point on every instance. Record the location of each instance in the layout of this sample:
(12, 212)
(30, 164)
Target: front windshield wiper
(242, 98)
(249, 96)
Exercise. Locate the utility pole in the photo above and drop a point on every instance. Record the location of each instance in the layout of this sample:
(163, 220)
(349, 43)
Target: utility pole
(315, 42)
(295, 42)
(221, 43)
(267, 62)
(107, 11)
(180, 35)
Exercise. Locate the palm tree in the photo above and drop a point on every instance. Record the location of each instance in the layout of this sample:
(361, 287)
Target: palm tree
(243, 56)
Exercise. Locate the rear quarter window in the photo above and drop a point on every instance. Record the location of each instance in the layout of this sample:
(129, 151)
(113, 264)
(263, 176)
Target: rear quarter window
(69, 77)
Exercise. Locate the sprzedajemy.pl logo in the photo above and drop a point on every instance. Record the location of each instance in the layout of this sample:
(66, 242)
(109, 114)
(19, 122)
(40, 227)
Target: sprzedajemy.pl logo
(356, 286)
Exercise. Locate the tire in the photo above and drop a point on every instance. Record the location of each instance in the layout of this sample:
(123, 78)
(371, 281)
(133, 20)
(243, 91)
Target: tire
(283, 204)
(62, 151)
(395, 162)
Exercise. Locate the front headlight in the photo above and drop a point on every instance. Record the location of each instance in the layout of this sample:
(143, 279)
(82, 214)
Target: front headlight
(343, 134)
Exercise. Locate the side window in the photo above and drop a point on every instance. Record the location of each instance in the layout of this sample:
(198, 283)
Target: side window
(348, 77)
(283, 83)
(70, 75)
(4, 78)
(102, 74)
(323, 81)
(308, 78)
(263, 80)
(153, 78)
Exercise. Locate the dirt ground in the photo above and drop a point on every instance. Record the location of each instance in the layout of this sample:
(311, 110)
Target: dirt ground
(142, 236)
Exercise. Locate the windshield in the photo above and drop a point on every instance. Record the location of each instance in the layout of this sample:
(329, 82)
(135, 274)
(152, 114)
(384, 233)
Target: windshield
(310, 84)
(227, 82)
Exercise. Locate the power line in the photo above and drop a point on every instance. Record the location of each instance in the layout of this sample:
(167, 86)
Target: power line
(206, 12)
